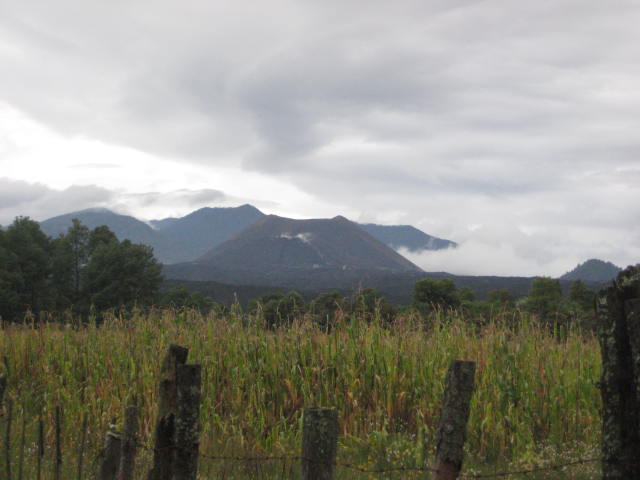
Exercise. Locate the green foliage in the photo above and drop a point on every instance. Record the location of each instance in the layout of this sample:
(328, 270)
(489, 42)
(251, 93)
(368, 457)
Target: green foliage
(545, 298)
(70, 256)
(466, 295)
(181, 297)
(11, 281)
(581, 298)
(370, 304)
(73, 271)
(431, 293)
(327, 307)
(279, 309)
(122, 275)
(501, 299)
(100, 236)
(581, 304)
(31, 258)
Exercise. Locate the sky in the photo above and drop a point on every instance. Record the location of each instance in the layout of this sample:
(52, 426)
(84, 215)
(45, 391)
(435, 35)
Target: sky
(508, 127)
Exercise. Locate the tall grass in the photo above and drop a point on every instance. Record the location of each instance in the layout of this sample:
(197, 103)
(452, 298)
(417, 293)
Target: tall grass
(535, 402)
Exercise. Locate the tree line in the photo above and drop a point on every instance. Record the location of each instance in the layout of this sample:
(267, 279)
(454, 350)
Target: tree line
(75, 272)
(545, 300)
(431, 297)
(84, 271)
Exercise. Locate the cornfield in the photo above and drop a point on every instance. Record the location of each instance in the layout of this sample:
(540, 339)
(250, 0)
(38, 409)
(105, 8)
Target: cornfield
(536, 401)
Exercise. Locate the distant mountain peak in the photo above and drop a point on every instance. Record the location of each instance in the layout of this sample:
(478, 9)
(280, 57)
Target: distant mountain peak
(407, 237)
(124, 227)
(593, 270)
(85, 211)
(275, 242)
(191, 236)
(207, 227)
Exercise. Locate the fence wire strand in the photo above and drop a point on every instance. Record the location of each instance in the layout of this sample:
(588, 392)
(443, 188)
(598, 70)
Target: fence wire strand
(356, 468)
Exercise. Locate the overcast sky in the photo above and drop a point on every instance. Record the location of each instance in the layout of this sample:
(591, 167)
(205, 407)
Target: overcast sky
(510, 127)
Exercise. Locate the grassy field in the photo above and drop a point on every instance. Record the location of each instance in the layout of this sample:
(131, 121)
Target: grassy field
(536, 401)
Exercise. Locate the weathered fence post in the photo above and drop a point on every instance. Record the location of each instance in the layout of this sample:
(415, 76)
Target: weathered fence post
(40, 447)
(110, 455)
(162, 468)
(22, 444)
(128, 447)
(7, 439)
(452, 429)
(187, 422)
(618, 314)
(3, 387)
(58, 439)
(319, 443)
(83, 439)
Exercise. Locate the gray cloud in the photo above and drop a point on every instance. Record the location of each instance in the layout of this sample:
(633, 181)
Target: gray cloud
(451, 115)
(41, 202)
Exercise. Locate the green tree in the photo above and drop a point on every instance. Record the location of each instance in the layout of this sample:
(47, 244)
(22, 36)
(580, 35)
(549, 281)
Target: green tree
(31, 251)
(466, 295)
(502, 299)
(281, 310)
(370, 303)
(78, 240)
(545, 297)
(121, 274)
(70, 258)
(581, 304)
(100, 236)
(580, 297)
(11, 282)
(325, 308)
(181, 297)
(430, 293)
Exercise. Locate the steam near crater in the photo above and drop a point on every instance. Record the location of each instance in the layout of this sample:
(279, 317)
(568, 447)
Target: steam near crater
(304, 237)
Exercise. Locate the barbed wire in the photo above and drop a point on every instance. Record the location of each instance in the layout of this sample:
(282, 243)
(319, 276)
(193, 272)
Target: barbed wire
(357, 468)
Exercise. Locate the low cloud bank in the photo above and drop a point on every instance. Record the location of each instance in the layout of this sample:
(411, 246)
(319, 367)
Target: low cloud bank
(491, 252)
(479, 258)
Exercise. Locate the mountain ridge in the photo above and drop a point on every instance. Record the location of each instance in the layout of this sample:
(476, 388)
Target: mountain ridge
(207, 227)
(406, 236)
(275, 241)
(593, 270)
(184, 239)
(124, 227)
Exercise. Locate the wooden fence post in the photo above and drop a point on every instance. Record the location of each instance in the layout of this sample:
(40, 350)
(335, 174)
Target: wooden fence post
(83, 439)
(22, 444)
(619, 337)
(40, 447)
(162, 468)
(58, 439)
(3, 387)
(7, 439)
(128, 447)
(319, 443)
(187, 437)
(452, 429)
(111, 455)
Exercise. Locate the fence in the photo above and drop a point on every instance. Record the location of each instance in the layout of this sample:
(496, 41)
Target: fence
(175, 448)
(175, 454)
